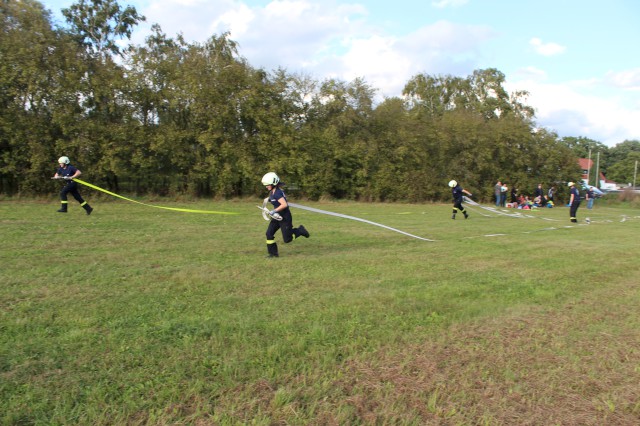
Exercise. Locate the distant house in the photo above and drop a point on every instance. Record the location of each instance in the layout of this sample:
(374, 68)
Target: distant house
(604, 183)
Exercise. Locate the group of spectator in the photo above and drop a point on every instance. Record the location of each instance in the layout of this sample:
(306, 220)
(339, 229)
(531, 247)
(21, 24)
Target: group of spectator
(542, 199)
(522, 201)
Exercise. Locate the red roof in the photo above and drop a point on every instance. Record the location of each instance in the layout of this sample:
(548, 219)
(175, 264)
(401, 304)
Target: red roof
(585, 163)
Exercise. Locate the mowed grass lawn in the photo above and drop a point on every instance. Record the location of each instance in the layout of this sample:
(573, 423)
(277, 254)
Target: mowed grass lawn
(136, 315)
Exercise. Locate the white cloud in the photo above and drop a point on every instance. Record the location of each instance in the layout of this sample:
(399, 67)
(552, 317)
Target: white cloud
(448, 38)
(531, 73)
(330, 41)
(440, 4)
(378, 61)
(546, 49)
(387, 63)
(237, 21)
(292, 34)
(191, 18)
(628, 79)
(566, 109)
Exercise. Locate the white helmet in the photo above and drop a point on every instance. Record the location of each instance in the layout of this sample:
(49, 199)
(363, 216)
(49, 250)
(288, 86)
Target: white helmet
(64, 160)
(570, 184)
(270, 179)
(452, 183)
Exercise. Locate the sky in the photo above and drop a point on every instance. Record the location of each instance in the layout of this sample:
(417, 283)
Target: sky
(578, 59)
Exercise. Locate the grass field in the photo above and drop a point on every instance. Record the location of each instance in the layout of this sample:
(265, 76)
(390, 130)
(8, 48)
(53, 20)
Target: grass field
(136, 315)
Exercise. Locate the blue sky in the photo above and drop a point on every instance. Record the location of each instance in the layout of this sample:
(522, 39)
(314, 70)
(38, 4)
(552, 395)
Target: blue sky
(578, 59)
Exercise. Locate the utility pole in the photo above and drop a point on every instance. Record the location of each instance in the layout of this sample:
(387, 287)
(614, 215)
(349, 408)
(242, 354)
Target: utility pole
(589, 167)
(598, 171)
(635, 173)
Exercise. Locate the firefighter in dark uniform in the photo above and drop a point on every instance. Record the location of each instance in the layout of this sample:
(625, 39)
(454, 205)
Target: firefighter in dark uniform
(458, 192)
(69, 172)
(574, 202)
(280, 216)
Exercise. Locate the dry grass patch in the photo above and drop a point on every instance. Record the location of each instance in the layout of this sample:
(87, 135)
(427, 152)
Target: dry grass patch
(533, 366)
(530, 368)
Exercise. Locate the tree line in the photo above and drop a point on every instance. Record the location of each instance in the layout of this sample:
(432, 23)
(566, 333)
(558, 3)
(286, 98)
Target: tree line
(170, 117)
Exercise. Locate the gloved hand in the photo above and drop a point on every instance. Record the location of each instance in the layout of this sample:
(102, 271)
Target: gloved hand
(275, 215)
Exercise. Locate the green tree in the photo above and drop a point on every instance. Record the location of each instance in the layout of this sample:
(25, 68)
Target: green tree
(173, 117)
(222, 86)
(624, 171)
(101, 138)
(481, 92)
(286, 142)
(34, 62)
(339, 131)
(582, 147)
(487, 95)
(622, 150)
(433, 95)
(162, 152)
(623, 159)
(99, 24)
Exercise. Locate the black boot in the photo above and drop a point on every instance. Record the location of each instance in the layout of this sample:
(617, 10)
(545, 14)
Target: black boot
(63, 208)
(303, 231)
(272, 249)
(465, 215)
(87, 208)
